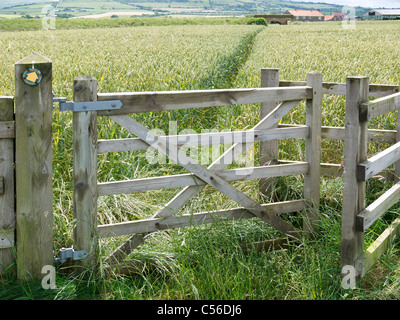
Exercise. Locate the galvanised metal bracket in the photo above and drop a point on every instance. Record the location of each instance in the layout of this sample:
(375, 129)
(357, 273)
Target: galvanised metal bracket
(67, 253)
(90, 106)
(86, 106)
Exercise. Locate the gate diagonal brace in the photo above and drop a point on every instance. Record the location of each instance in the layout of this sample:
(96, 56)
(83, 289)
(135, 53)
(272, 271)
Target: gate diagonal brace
(203, 173)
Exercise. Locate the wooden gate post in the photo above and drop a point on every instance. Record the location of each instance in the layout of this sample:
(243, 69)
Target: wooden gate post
(33, 162)
(313, 152)
(7, 183)
(85, 170)
(268, 149)
(355, 151)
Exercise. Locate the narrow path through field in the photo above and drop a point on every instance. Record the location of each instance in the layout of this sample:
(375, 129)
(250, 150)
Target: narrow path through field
(228, 67)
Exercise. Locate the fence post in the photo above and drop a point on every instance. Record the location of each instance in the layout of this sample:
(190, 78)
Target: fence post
(7, 183)
(268, 149)
(85, 170)
(397, 164)
(355, 151)
(313, 152)
(33, 162)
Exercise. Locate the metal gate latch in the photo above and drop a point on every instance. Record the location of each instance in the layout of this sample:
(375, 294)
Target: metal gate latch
(66, 253)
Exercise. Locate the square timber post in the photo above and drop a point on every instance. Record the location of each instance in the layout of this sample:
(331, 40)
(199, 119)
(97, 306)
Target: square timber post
(85, 172)
(33, 163)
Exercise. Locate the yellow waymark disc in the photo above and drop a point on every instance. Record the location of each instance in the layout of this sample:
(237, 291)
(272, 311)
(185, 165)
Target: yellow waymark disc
(32, 77)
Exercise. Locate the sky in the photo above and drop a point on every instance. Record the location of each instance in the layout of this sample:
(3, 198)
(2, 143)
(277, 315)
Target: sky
(362, 3)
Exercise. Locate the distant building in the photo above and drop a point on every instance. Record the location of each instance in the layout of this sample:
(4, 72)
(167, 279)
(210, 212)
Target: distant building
(382, 14)
(331, 18)
(306, 15)
(338, 16)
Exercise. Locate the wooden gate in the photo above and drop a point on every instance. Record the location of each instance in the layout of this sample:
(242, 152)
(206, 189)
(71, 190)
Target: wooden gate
(86, 148)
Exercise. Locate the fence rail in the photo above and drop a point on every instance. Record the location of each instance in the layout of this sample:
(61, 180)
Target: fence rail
(138, 102)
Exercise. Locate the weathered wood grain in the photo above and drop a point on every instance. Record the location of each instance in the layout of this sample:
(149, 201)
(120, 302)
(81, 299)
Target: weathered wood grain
(355, 146)
(313, 152)
(157, 224)
(376, 209)
(136, 102)
(268, 149)
(375, 90)
(7, 196)
(33, 160)
(183, 180)
(379, 107)
(377, 248)
(85, 169)
(378, 162)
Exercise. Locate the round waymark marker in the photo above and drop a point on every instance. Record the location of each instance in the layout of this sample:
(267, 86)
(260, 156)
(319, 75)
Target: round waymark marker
(32, 77)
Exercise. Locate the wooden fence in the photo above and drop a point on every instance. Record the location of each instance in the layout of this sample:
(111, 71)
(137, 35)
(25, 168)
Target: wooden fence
(26, 238)
(359, 168)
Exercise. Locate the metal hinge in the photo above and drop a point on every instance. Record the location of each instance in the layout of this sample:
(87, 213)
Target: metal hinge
(90, 106)
(87, 106)
(70, 253)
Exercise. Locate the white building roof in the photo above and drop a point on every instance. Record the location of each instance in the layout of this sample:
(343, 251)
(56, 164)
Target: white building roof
(385, 12)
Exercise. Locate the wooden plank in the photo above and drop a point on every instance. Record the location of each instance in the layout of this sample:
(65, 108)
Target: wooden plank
(7, 242)
(376, 209)
(7, 198)
(33, 160)
(382, 90)
(85, 169)
(377, 248)
(7, 130)
(378, 162)
(397, 139)
(375, 90)
(338, 133)
(200, 218)
(352, 244)
(327, 169)
(205, 139)
(313, 152)
(268, 149)
(137, 102)
(183, 180)
(379, 107)
(204, 174)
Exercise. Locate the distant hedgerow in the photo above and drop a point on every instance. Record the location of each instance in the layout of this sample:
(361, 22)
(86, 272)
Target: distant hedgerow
(258, 21)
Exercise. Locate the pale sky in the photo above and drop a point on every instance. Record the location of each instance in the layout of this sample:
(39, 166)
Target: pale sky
(362, 3)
